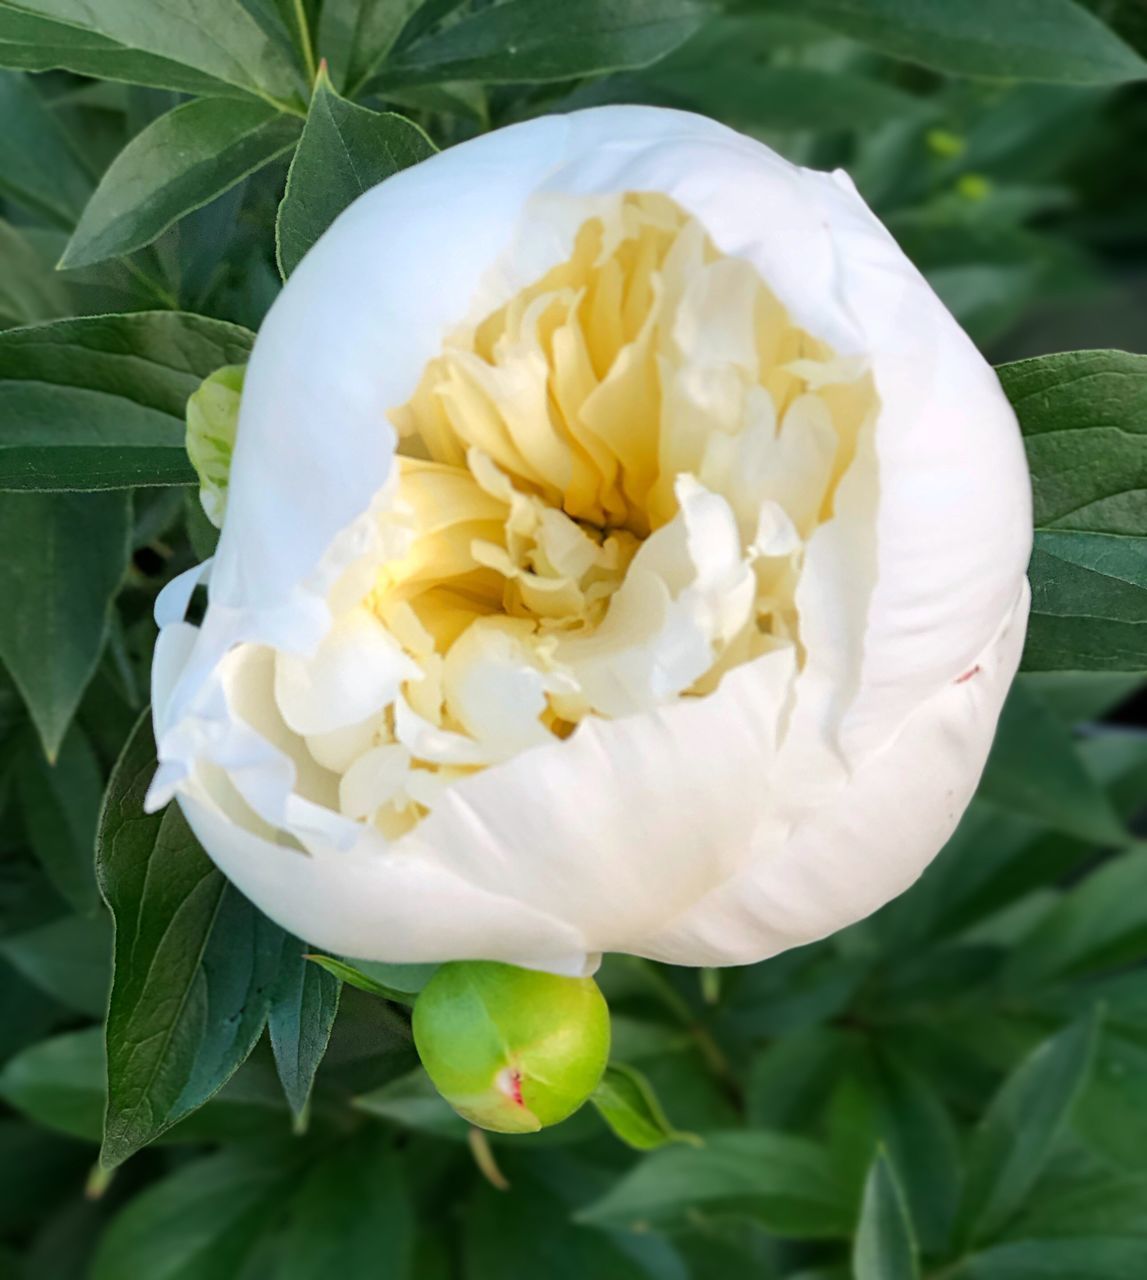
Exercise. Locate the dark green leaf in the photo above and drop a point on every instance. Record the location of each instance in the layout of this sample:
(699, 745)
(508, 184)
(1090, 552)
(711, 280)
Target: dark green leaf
(30, 291)
(70, 959)
(98, 402)
(61, 805)
(194, 963)
(1111, 1116)
(61, 1083)
(629, 1106)
(1017, 1136)
(398, 982)
(201, 1222)
(787, 1184)
(344, 972)
(304, 1001)
(884, 1248)
(352, 1216)
(1035, 769)
(1099, 924)
(64, 556)
(413, 1102)
(343, 152)
(1022, 40)
(496, 1245)
(38, 44)
(1088, 1258)
(535, 40)
(1076, 696)
(355, 36)
(178, 163)
(921, 1138)
(218, 38)
(793, 99)
(790, 1081)
(1084, 418)
(38, 167)
(1105, 1205)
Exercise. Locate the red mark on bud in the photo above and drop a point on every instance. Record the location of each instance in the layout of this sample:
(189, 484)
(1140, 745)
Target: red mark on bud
(973, 671)
(510, 1083)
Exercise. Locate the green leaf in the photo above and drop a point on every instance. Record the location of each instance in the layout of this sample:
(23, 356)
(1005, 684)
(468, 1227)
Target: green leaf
(194, 963)
(176, 164)
(343, 152)
(58, 1083)
(1099, 924)
(1077, 696)
(536, 40)
(884, 1248)
(787, 1184)
(797, 99)
(629, 1106)
(304, 1001)
(61, 1083)
(201, 1222)
(922, 1142)
(98, 402)
(38, 167)
(1088, 1258)
(352, 1216)
(413, 1102)
(1111, 1116)
(1084, 418)
(790, 1081)
(1106, 1205)
(31, 43)
(1053, 40)
(1035, 769)
(61, 805)
(218, 38)
(1018, 1134)
(30, 291)
(64, 557)
(527, 1233)
(70, 959)
(398, 982)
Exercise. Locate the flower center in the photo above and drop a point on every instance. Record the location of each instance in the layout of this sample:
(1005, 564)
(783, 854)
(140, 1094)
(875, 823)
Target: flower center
(604, 489)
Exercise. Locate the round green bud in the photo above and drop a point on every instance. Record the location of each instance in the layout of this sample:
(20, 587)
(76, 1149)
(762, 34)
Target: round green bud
(511, 1050)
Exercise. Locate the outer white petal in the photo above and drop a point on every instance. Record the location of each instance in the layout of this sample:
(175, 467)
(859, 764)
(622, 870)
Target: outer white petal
(609, 839)
(358, 903)
(844, 858)
(628, 821)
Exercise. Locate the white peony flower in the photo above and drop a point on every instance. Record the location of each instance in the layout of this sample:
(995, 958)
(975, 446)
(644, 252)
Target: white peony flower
(624, 551)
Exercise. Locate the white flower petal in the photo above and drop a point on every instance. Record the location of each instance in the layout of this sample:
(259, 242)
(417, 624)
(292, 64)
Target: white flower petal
(844, 857)
(628, 821)
(355, 672)
(370, 905)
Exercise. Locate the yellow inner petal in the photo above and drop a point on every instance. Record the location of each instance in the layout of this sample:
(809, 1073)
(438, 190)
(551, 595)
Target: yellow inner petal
(607, 486)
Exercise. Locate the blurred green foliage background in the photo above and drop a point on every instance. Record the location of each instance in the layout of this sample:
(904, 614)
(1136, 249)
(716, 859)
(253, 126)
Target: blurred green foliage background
(956, 1087)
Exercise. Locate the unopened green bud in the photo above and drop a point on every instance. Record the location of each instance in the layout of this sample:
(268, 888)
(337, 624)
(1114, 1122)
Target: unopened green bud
(511, 1050)
(212, 421)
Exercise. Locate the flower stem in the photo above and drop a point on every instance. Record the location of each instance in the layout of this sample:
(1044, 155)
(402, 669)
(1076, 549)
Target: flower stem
(483, 1155)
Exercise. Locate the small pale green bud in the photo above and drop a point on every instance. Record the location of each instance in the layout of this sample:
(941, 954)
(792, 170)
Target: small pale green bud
(511, 1050)
(212, 421)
